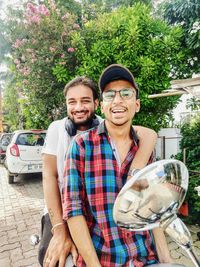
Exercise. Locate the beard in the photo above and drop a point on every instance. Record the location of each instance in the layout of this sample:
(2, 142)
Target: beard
(86, 122)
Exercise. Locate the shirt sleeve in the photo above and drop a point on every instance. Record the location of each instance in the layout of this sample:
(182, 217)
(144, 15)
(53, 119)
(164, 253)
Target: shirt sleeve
(73, 192)
(51, 140)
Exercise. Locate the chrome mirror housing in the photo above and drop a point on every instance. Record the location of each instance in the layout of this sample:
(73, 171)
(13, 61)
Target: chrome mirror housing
(154, 194)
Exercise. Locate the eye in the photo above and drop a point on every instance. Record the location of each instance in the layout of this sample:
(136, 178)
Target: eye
(126, 93)
(71, 102)
(86, 101)
(109, 94)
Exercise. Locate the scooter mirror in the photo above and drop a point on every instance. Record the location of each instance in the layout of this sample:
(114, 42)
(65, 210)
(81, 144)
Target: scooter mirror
(152, 195)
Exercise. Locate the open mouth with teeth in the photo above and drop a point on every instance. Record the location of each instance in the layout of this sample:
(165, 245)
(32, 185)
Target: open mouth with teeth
(77, 114)
(80, 116)
(118, 111)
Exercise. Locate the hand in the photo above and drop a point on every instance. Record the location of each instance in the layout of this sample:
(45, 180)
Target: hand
(165, 257)
(167, 260)
(59, 248)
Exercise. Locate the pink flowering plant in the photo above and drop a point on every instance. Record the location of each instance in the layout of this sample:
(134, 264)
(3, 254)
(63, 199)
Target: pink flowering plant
(43, 59)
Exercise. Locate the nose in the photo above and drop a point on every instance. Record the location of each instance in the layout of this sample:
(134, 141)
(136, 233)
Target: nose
(117, 97)
(78, 106)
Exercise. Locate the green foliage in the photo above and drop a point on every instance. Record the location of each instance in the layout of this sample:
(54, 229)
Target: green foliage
(91, 8)
(11, 106)
(191, 142)
(131, 36)
(193, 198)
(193, 103)
(186, 13)
(72, 6)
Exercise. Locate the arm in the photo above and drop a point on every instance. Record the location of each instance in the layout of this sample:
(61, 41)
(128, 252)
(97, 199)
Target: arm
(147, 141)
(161, 246)
(60, 244)
(78, 227)
(50, 187)
(73, 200)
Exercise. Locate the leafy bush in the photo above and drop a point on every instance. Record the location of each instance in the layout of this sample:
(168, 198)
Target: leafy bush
(191, 142)
(193, 199)
(40, 39)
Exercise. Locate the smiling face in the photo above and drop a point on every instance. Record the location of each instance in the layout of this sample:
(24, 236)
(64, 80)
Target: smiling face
(81, 105)
(120, 111)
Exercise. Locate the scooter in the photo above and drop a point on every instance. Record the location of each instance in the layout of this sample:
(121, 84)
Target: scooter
(151, 198)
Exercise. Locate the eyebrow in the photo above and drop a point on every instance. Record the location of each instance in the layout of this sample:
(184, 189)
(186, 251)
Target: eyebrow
(113, 89)
(82, 98)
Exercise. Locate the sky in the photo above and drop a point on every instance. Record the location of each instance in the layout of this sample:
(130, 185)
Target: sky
(4, 3)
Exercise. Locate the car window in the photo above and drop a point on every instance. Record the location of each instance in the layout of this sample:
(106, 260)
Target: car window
(31, 139)
(5, 139)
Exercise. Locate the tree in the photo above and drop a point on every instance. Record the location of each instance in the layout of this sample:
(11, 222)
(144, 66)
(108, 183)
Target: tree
(146, 45)
(40, 38)
(92, 8)
(11, 105)
(186, 13)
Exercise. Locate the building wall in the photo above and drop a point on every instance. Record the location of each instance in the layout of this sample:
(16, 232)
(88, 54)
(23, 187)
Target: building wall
(168, 143)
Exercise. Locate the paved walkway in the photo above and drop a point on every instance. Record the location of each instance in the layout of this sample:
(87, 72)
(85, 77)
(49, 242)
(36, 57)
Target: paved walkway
(21, 206)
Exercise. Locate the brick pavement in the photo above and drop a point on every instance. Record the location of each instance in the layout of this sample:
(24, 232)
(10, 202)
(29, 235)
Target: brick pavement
(21, 206)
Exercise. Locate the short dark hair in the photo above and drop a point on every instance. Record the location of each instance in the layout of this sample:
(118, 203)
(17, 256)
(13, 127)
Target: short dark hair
(82, 80)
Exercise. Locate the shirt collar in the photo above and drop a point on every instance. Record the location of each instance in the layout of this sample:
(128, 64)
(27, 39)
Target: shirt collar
(103, 130)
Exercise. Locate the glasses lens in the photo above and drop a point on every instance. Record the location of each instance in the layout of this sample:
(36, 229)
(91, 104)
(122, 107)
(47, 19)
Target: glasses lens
(109, 95)
(126, 93)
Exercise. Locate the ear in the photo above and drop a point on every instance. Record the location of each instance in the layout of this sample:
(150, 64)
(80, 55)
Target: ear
(137, 105)
(96, 104)
(101, 105)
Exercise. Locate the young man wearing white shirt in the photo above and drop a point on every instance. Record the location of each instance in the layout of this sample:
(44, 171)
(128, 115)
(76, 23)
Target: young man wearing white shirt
(82, 101)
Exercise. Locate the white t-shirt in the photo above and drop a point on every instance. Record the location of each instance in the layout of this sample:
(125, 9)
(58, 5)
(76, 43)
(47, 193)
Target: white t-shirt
(57, 143)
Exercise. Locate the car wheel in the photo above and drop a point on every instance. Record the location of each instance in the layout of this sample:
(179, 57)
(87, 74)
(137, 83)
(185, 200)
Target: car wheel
(10, 178)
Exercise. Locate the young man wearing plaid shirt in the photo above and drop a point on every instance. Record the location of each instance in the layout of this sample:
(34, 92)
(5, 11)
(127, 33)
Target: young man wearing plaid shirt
(97, 168)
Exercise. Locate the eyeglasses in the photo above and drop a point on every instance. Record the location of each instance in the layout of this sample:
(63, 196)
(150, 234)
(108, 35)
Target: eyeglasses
(124, 93)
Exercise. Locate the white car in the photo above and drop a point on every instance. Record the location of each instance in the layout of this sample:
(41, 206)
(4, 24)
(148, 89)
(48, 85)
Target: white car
(23, 154)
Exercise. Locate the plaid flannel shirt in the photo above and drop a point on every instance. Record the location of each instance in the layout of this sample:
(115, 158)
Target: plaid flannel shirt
(92, 180)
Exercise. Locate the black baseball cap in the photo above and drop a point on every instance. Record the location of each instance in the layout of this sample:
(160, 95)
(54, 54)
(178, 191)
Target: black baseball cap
(116, 72)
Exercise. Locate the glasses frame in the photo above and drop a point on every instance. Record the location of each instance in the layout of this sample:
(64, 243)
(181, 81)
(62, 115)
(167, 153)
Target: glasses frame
(120, 93)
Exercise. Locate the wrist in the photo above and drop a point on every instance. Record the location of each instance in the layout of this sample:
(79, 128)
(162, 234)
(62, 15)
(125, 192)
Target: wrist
(133, 172)
(58, 227)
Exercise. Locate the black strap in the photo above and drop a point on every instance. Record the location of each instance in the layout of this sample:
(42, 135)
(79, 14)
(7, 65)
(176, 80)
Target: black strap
(71, 128)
